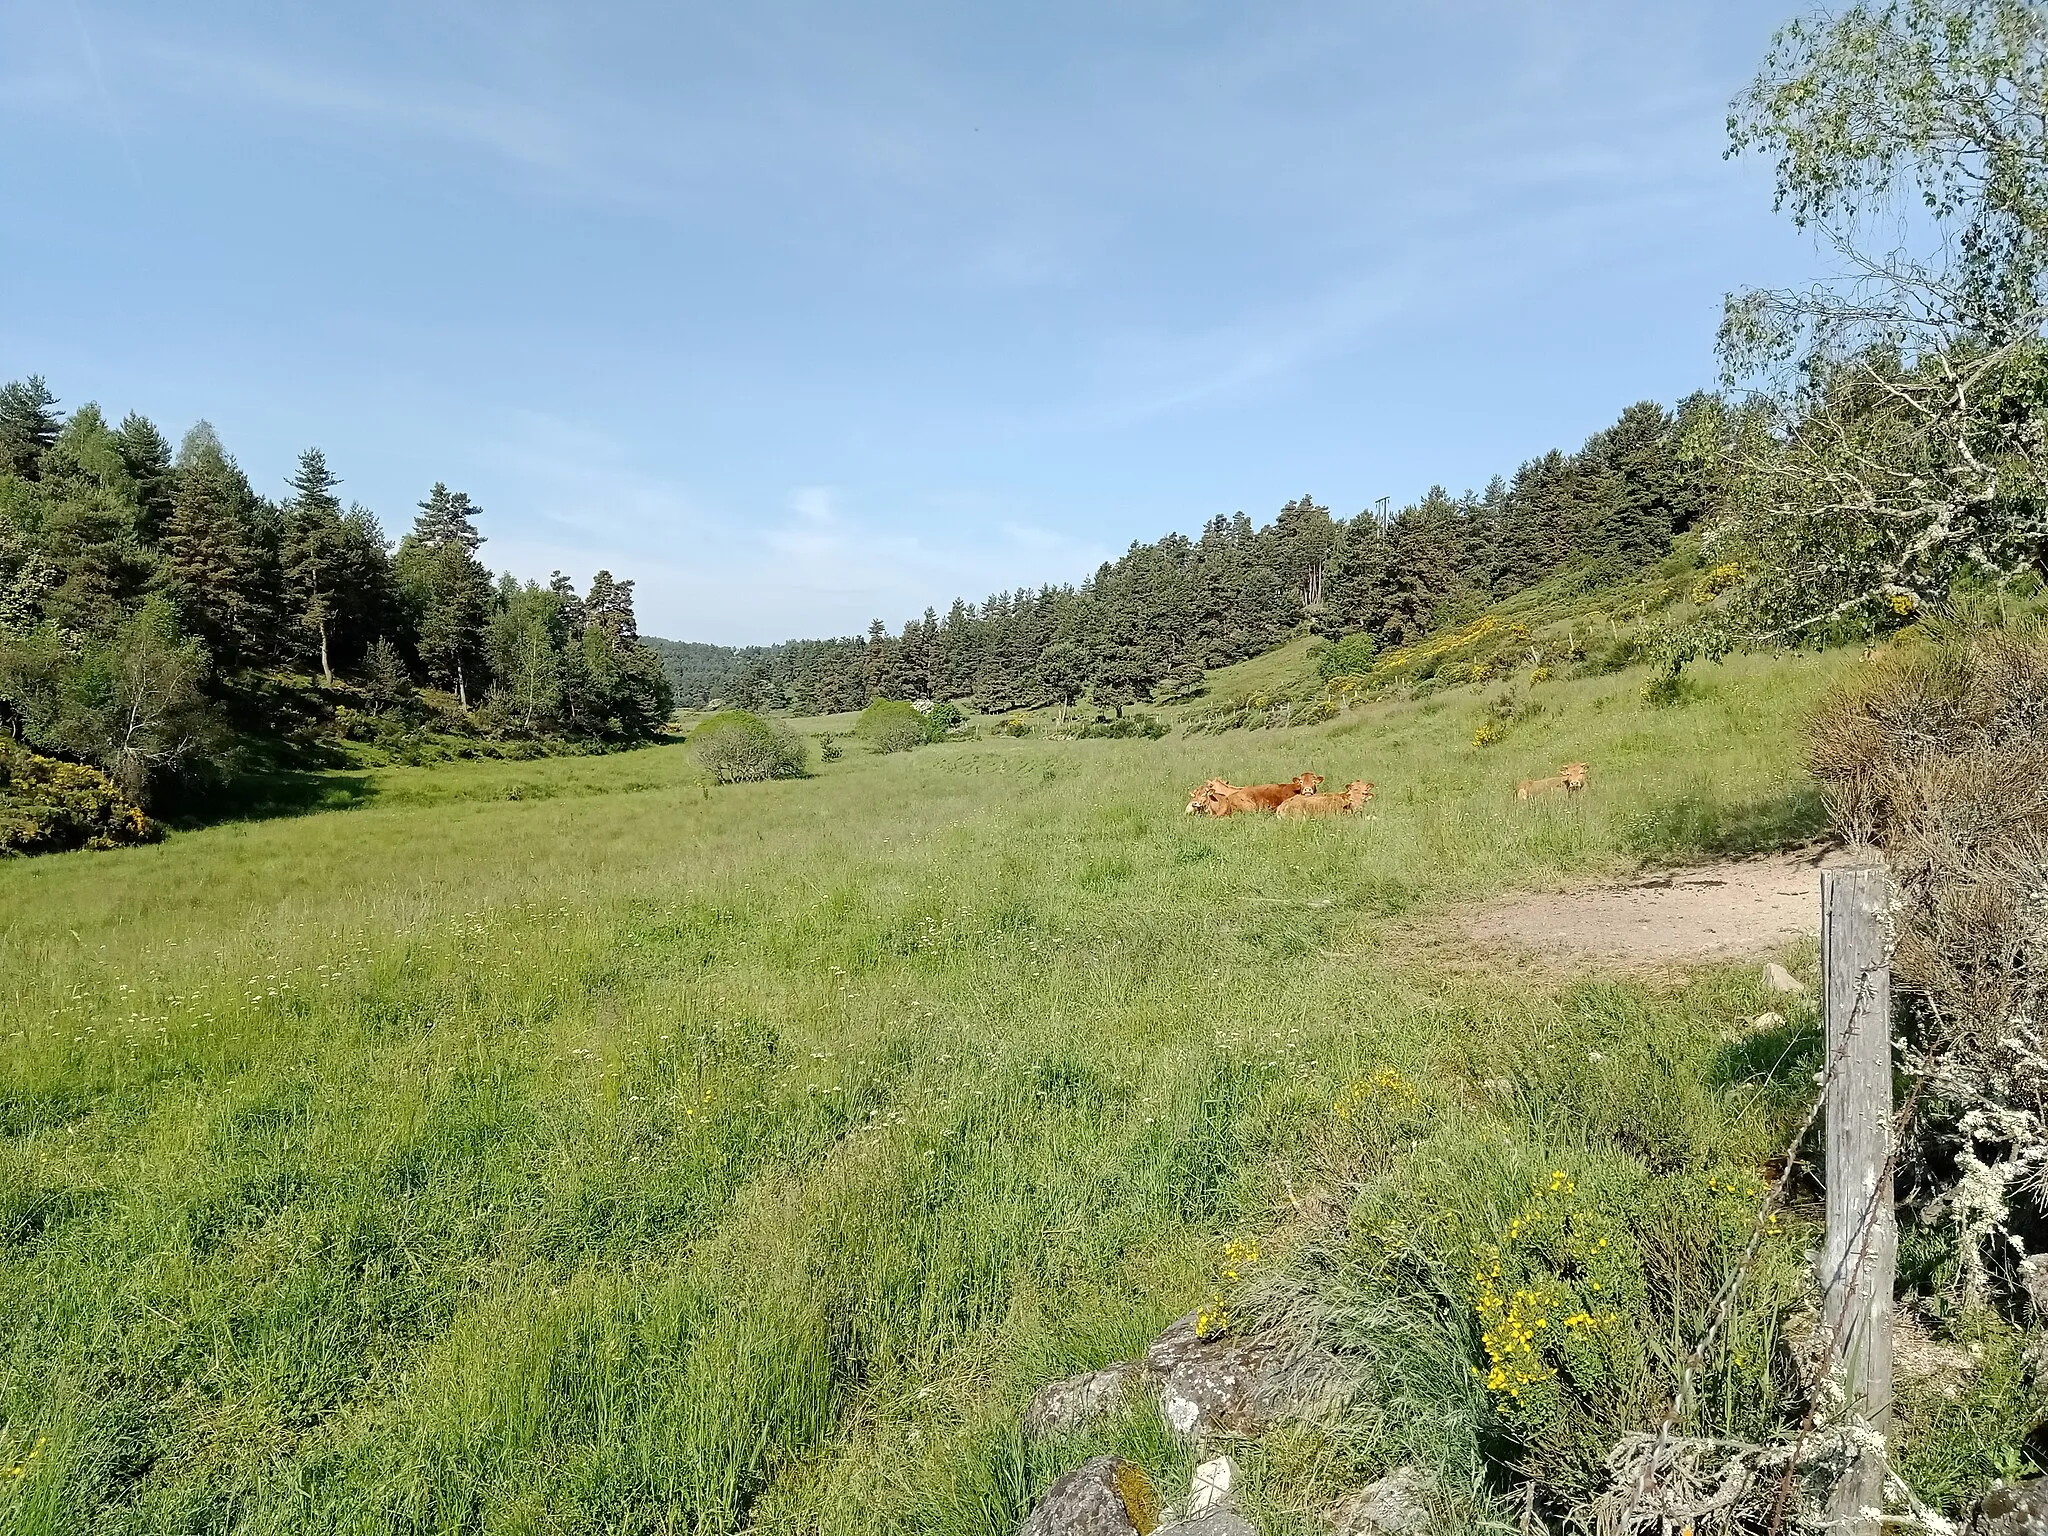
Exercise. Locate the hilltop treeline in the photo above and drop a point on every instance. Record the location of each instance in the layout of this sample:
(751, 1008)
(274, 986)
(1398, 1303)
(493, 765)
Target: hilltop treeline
(1145, 626)
(151, 599)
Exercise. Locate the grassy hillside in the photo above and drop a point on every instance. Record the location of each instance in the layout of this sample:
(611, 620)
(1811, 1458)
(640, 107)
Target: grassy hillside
(571, 1146)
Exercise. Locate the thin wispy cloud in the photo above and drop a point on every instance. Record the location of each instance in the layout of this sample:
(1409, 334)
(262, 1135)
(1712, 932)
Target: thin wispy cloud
(807, 315)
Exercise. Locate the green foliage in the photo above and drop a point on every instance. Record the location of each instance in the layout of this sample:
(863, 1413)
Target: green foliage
(47, 806)
(891, 725)
(130, 701)
(448, 593)
(1349, 657)
(741, 748)
(1892, 449)
(942, 719)
(151, 605)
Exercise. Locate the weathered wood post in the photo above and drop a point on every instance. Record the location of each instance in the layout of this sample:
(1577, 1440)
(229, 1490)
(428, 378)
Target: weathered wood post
(1860, 1255)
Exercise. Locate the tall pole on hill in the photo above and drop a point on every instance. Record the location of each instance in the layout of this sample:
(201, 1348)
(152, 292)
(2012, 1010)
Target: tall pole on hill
(1860, 1255)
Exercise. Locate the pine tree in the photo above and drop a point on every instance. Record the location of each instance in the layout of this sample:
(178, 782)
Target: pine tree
(610, 604)
(29, 423)
(448, 590)
(1355, 584)
(147, 456)
(216, 567)
(1641, 491)
(385, 680)
(316, 555)
(90, 531)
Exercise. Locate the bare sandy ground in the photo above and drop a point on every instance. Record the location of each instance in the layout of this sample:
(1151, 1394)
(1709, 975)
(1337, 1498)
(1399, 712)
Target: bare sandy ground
(1747, 906)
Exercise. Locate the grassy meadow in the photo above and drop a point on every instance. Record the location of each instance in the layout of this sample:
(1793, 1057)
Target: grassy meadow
(574, 1146)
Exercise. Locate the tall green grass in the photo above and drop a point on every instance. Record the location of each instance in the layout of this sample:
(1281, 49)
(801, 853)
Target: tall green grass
(572, 1146)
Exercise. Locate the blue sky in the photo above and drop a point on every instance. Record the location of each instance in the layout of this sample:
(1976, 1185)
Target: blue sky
(805, 314)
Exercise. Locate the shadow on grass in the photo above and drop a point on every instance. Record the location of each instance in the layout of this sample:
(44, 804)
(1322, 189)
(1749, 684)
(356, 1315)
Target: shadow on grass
(1696, 824)
(262, 794)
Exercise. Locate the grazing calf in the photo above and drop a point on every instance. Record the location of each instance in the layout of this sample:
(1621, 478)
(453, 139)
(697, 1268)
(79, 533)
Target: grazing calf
(1356, 793)
(1571, 779)
(1219, 797)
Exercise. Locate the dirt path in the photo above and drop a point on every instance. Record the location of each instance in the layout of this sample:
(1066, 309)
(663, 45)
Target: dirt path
(1742, 907)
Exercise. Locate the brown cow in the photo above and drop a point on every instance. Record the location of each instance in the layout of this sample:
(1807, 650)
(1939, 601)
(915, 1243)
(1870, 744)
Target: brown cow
(1571, 779)
(1219, 797)
(1356, 793)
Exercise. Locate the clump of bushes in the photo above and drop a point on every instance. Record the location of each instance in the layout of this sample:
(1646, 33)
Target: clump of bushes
(47, 806)
(740, 747)
(1938, 754)
(1350, 657)
(1125, 727)
(1014, 725)
(891, 725)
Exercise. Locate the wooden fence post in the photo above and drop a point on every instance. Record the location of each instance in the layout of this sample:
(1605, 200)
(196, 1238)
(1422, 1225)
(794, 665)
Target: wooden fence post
(1860, 1255)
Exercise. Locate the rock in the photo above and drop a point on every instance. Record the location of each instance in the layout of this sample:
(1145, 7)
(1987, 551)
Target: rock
(1105, 1496)
(1778, 979)
(2014, 1509)
(1240, 1386)
(1396, 1505)
(1211, 1487)
(1069, 1404)
(2034, 1279)
(1222, 1522)
(1764, 1023)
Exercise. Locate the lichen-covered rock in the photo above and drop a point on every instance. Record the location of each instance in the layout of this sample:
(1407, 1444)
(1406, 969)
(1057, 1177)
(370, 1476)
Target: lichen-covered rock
(1396, 1505)
(1105, 1496)
(1240, 1386)
(1068, 1404)
(2014, 1509)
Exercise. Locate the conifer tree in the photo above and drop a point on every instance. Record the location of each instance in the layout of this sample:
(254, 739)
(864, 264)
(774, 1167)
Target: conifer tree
(316, 556)
(90, 532)
(147, 457)
(447, 590)
(216, 567)
(29, 423)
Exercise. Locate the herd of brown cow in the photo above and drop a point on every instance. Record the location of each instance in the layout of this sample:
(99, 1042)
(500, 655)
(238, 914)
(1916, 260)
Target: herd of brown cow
(1298, 797)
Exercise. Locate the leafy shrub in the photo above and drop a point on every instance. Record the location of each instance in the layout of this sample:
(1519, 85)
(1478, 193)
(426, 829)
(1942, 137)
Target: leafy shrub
(1668, 687)
(1015, 725)
(891, 725)
(1349, 657)
(740, 747)
(1124, 727)
(828, 748)
(941, 719)
(46, 805)
(1937, 753)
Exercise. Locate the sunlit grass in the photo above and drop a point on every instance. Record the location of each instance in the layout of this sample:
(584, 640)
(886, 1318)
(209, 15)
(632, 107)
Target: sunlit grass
(569, 1145)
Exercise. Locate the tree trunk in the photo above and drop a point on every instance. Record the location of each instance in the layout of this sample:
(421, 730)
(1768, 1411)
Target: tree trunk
(461, 688)
(326, 671)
